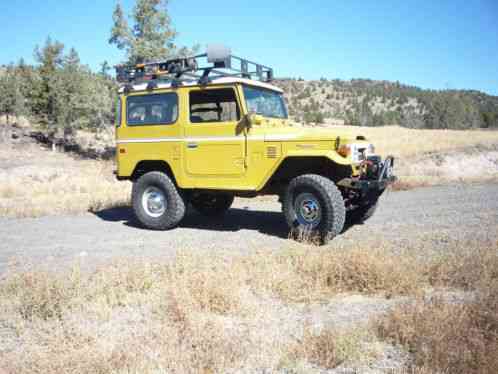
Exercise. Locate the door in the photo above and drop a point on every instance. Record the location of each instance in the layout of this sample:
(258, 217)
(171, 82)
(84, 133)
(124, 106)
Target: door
(215, 141)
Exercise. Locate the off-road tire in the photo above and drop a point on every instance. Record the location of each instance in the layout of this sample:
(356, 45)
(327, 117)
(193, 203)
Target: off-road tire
(175, 204)
(362, 213)
(331, 204)
(212, 205)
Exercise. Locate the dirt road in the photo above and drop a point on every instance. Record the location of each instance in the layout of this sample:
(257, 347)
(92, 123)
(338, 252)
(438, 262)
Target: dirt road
(434, 217)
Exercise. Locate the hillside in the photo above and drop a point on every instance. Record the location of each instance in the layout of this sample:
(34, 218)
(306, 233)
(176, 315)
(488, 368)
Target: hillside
(367, 102)
(68, 96)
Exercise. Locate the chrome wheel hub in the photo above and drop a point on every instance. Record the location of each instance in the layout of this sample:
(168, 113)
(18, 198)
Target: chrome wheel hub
(154, 202)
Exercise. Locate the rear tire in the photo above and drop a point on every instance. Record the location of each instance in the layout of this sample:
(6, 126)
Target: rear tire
(314, 205)
(212, 204)
(156, 201)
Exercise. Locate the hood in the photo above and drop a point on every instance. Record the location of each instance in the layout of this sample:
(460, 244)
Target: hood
(290, 133)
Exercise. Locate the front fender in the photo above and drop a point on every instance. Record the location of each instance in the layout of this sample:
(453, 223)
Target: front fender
(291, 162)
(327, 153)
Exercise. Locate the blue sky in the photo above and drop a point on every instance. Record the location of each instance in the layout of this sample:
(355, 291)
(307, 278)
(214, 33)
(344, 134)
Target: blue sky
(433, 44)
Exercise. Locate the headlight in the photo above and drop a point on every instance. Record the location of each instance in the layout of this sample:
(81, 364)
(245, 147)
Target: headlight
(357, 151)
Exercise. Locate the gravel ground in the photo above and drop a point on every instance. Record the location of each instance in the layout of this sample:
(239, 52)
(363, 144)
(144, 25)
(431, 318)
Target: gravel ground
(429, 217)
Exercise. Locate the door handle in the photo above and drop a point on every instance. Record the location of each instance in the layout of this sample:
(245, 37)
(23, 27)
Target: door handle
(192, 145)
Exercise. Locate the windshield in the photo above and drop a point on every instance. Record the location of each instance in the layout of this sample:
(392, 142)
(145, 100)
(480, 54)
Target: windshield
(265, 102)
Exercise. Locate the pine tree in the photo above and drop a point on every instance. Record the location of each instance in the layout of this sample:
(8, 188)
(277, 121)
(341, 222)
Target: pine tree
(83, 99)
(19, 108)
(29, 81)
(50, 58)
(104, 69)
(12, 102)
(152, 35)
(68, 93)
(4, 98)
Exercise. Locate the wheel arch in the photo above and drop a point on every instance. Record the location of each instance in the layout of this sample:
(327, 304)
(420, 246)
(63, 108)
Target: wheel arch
(146, 166)
(293, 166)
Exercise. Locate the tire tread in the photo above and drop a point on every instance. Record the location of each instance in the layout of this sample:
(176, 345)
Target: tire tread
(176, 203)
(334, 209)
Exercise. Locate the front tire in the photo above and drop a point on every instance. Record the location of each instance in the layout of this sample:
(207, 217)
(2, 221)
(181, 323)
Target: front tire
(212, 204)
(313, 204)
(156, 201)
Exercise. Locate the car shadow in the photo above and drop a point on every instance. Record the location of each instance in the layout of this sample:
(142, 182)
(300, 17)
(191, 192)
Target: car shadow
(270, 223)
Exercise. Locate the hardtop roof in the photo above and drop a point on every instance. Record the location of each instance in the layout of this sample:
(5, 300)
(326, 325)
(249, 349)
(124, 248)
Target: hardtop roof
(140, 87)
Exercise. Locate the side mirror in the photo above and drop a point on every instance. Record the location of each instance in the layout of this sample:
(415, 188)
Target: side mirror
(254, 119)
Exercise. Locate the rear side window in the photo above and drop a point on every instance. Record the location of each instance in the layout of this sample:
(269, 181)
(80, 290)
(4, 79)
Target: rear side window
(117, 118)
(157, 109)
(217, 105)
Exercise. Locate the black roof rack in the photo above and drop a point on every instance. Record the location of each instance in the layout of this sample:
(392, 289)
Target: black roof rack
(215, 63)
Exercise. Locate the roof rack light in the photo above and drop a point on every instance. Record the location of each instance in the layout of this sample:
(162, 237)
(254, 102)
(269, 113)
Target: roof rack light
(219, 55)
(220, 63)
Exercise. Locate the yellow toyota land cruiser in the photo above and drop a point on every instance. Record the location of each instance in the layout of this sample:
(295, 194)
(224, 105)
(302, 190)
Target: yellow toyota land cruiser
(205, 129)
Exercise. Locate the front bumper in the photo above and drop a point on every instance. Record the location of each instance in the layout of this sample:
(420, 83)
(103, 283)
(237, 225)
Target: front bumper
(372, 182)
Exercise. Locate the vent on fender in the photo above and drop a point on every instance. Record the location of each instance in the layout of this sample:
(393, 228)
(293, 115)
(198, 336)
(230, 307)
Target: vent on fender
(271, 151)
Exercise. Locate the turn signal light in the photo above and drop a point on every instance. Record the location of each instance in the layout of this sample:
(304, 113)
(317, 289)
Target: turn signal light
(344, 150)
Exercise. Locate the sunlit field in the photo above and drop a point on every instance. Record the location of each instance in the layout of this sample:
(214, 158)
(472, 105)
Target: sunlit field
(432, 157)
(35, 181)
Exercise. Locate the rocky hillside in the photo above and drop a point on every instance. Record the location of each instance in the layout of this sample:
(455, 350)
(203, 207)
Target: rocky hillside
(69, 97)
(376, 103)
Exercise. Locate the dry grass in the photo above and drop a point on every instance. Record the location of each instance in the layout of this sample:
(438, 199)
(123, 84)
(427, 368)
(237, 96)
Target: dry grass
(70, 323)
(330, 348)
(468, 268)
(432, 157)
(458, 337)
(36, 182)
(409, 143)
(448, 337)
(219, 313)
(300, 275)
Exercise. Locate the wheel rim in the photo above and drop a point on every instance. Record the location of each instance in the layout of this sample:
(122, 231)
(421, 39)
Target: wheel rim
(154, 202)
(308, 209)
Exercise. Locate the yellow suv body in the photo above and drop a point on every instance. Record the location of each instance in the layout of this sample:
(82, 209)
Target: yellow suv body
(204, 143)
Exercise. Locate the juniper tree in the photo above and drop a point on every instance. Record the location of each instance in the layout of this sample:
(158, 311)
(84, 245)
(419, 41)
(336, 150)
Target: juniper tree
(104, 69)
(150, 37)
(4, 98)
(83, 99)
(12, 100)
(50, 58)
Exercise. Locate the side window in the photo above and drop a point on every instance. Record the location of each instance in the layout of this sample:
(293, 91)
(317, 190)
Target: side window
(217, 105)
(157, 109)
(117, 117)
